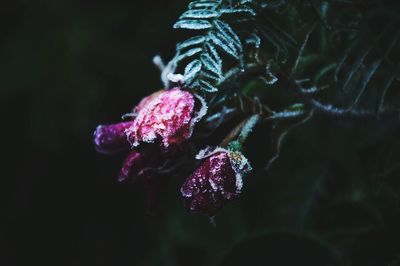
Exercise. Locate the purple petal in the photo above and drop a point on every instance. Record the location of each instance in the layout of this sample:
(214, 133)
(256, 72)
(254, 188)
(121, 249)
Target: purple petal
(109, 139)
(129, 165)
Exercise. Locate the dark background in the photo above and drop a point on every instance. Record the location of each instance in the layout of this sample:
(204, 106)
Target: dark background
(68, 65)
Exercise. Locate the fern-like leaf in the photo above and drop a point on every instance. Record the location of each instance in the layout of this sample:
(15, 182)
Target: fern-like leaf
(204, 52)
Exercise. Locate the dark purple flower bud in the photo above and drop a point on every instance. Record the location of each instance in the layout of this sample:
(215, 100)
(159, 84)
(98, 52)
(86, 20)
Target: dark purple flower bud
(109, 139)
(137, 163)
(217, 180)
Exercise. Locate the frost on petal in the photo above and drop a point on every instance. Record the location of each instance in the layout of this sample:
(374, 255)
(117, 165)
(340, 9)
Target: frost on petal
(167, 117)
(146, 100)
(206, 204)
(212, 184)
(109, 139)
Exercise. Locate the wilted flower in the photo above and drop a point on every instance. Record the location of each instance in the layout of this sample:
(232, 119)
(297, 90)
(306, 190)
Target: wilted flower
(169, 117)
(217, 180)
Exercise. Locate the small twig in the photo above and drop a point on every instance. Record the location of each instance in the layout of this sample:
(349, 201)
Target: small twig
(331, 110)
(314, 89)
(313, 104)
(236, 72)
(285, 115)
(282, 138)
(302, 48)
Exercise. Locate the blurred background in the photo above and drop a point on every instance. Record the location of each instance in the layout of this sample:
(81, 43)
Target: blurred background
(67, 66)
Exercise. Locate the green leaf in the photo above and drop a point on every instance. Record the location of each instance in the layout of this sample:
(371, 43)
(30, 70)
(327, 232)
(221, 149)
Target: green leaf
(190, 42)
(227, 46)
(207, 86)
(188, 53)
(231, 10)
(228, 33)
(192, 70)
(210, 64)
(204, 4)
(196, 14)
(192, 24)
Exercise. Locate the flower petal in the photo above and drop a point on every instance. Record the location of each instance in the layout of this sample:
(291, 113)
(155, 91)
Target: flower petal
(109, 139)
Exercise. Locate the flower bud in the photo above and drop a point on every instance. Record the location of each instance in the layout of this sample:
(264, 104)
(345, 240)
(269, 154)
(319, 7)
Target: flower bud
(109, 139)
(146, 100)
(169, 117)
(217, 180)
(136, 163)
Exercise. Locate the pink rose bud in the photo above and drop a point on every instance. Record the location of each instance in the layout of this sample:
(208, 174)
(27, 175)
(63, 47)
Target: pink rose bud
(109, 139)
(216, 181)
(169, 117)
(146, 100)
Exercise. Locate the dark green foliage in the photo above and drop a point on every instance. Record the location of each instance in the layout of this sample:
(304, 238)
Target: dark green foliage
(324, 76)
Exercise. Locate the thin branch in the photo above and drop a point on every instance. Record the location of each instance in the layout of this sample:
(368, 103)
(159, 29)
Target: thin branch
(282, 138)
(331, 110)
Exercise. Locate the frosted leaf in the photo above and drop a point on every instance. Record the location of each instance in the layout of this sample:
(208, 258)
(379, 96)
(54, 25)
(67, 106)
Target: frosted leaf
(219, 40)
(213, 52)
(229, 34)
(188, 53)
(209, 75)
(215, 118)
(285, 114)
(199, 14)
(255, 40)
(270, 78)
(192, 24)
(203, 4)
(248, 127)
(238, 10)
(210, 64)
(190, 42)
(191, 70)
(207, 86)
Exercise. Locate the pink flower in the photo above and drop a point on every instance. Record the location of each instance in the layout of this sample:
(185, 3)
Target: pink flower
(146, 100)
(168, 117)
(216, 181)
(110, 139)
